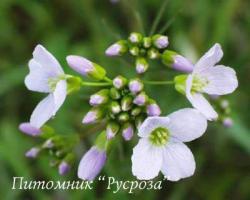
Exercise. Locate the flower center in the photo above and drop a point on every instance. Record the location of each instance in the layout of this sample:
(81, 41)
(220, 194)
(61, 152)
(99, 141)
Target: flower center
(198, 84)
(159, 136)
(53, 81)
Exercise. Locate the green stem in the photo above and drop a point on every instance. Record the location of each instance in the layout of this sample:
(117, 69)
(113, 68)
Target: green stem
(158, 82)
(95, 84)
(158, 17)
(107, 79)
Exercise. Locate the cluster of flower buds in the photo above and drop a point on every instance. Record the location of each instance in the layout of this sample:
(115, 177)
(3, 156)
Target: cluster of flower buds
(124, 105)
(59, 147)
(141, 47)
(223, 107)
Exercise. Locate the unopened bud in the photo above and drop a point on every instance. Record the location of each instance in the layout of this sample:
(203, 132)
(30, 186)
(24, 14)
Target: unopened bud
(141, 65)
(33, 152)
(136, 111)
(147, 42)
(160, 41)
(92, 116)
(134, 51)
(112, 129)
(135, 38)
(227, 122)
(153, 53)
(127, 131)
(114, 93)
(123, 117)
(119, 82)
(115, 107)
(63, 168)
(177, 62)
(138, 121)
(140, 99)
(126, 103)
(86, 67)
(153, 109)
(48, 144)
(135, 86)
(99, 98)
(117, 49)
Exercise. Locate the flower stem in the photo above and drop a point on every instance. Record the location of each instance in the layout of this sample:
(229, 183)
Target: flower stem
(158, 82)
(95, 84)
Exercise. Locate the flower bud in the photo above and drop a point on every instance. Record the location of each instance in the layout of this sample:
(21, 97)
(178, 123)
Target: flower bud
(147, 42)
(86, 67)
(119, 82)
(134, 51)
(112, 129)
(224, 104)
(227, 122)
(141, 65)
(138, 121)
(153, 53)
(99, 98)
(117, 49)
(91, 163)
(114, 93)
(63, 168)
(92, 116)
(127, 131)
(177, 62)
(126, 103)
(135, 38)
(48, 144)
(136, 111)
(160, 41)
(115, 107)
(123, 117)
(135, 85)
(153, 109)
(33, 152)
(140, 99)
(28, 129)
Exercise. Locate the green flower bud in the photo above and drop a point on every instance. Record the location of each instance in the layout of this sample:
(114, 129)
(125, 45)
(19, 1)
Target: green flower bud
(119, 82)
(99, 98)
(112, 129)
(115, 107)
(180, 83)
(134, 51)
(117, 49)
(73, 83)
(126, 103)
(153, 53)
(114, 93)
(160, 41)
(168, 57)
(93, 115)
(135, 38)
(147, 42)
(141, 65)
(123, 117)
(139, 120)
(136, 111)
(127, 131)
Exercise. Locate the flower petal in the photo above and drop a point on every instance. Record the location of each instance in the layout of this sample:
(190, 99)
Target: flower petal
(178, 161)
(47, 60)
(210, 58)
(152, 123)
(43, 111)
(146, 160)
(222, 80)
(199, 102)
(60, 94)
(37, 79)
(187, 124)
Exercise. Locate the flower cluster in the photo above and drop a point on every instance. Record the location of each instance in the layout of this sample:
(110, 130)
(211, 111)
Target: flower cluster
(142, 48)
(125, 108)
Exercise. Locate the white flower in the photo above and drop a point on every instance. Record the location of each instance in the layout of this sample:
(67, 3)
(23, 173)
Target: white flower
(46, 76)
(207, 77)
(161, 146)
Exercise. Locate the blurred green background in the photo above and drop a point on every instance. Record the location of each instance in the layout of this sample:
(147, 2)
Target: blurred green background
(87, 27)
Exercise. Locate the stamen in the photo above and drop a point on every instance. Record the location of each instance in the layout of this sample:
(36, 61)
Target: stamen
(159, 136)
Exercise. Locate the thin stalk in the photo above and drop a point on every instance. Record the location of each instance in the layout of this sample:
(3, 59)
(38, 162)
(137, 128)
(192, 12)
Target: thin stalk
(158, 17)
(158, 82)
(95, 84)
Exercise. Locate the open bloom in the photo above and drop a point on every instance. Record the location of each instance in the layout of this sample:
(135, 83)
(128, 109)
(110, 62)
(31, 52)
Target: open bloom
(207, 77)
(161, 146)
(46, 76)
